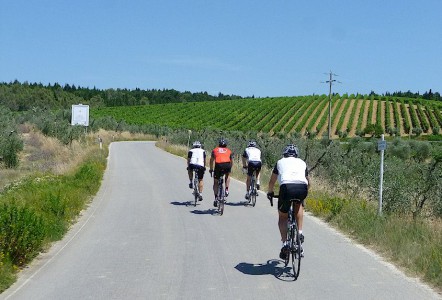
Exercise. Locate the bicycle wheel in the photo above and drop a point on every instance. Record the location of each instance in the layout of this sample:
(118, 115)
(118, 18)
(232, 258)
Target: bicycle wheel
(220, 198)
(253, 193)
(295, 250)
(221, 206)
(196, 191)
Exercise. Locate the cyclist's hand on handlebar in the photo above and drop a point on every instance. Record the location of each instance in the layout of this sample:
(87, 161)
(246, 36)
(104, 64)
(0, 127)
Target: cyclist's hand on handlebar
(244, 170)
(270, 197)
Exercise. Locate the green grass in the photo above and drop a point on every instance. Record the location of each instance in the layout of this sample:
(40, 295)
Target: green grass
(413, 245)
(40, 209)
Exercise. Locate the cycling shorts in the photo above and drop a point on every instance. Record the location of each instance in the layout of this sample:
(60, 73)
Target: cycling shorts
(198, 169)
(291, 191)
(252, 166)
(221, 169)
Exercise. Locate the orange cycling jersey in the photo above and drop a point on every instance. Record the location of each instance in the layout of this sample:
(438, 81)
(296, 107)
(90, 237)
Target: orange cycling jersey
(222, 155)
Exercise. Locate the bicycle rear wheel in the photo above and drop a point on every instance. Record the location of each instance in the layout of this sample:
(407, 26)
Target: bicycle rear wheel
(196, 191)
(221, 206)
(295, 251)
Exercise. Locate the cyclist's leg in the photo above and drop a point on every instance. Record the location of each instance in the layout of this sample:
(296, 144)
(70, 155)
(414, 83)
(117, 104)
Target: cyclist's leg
(282, 224)
(283, 209)
(190, 173)
(300, 192)
(200, 179)
(216, 174)
(299, 214)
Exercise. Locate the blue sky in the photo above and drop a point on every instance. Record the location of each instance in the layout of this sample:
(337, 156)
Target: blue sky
(240, 47)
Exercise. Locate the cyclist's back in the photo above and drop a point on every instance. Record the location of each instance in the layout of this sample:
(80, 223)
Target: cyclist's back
(251, 160)
(221, 162)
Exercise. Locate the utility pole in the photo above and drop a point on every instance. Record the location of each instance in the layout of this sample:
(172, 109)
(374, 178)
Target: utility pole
(330, 82)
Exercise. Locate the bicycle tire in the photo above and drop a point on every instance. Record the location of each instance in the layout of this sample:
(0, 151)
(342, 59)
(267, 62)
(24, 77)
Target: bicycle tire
(295, 251)
(221, 207)
(196, 192)
(220, 197)
(254, 193)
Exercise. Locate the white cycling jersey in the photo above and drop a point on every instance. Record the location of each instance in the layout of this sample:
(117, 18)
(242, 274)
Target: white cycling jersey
(252, 154)
(197, 156)
(291, 170)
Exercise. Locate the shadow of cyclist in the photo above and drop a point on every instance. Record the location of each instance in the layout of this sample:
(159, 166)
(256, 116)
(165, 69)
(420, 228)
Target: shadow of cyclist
(269, 268)
(184, 203)
(272, 267)
(204, 212)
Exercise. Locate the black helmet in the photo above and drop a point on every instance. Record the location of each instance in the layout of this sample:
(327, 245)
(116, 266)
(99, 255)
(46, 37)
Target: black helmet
(222, 142)
(291, 150)
(252, 143)
(196, 144)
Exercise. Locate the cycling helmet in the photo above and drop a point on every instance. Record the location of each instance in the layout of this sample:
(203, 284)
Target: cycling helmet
(291, 150)
(252, 143)
(222, 142)
(196, 144)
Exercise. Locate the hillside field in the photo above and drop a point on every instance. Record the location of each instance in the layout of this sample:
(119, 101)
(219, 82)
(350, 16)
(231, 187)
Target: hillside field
(351, 116)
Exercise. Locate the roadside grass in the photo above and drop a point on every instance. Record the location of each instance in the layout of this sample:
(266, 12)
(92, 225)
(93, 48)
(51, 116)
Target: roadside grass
(43, 197)
(415, 246)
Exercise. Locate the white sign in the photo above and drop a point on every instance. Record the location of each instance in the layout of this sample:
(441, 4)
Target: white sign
(80, 115)
(382, 145)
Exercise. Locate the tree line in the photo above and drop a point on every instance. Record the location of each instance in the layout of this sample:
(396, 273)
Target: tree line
(26, 96)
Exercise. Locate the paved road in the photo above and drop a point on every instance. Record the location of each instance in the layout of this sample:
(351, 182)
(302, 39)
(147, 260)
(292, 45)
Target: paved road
(140, 240)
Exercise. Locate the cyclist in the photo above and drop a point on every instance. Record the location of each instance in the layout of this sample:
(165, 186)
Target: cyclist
(222, 157)
(196, 161)
(251, 161)
(292, 175)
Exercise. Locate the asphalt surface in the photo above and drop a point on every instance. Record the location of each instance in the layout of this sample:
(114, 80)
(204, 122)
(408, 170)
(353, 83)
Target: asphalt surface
(139, 239)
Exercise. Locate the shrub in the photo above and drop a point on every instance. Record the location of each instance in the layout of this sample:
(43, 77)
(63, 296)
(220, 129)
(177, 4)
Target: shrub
(9, 149)
(21, 233)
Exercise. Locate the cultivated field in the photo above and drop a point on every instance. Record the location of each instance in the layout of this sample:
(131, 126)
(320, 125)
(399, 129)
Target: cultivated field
(359, 116)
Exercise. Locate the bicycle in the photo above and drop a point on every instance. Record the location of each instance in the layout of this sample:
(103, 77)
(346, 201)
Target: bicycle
(293, 239)
(196, 190)
(221, 194)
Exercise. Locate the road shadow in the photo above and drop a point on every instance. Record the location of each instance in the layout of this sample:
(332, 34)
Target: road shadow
(272, 267)
(242, 203)
(210, 211)
(185, 203)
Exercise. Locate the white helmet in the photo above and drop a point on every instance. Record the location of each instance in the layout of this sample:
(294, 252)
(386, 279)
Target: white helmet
(196, 144)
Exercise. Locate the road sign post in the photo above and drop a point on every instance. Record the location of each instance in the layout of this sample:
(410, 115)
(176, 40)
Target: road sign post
(382, 145)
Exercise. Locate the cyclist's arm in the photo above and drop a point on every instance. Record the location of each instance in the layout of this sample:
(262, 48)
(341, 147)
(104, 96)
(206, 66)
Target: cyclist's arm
(189, 156)
(244, 161)
(212, 159)
(273, 179)
(244, 158)
(308, 178)
(272, 182)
